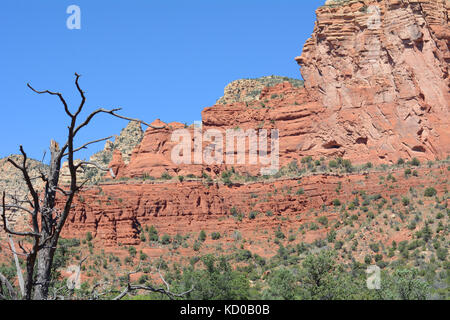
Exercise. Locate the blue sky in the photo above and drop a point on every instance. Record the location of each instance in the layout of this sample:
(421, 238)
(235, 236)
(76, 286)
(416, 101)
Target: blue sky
(155, 59)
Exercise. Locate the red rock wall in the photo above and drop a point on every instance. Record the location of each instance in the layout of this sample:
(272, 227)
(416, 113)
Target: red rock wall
(114, 213)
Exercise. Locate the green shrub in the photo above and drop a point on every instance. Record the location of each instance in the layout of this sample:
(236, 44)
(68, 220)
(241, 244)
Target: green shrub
(132, 251)
(332, 164)
(243, 255)
(441, 253)
(323, 220)
(405, 201)
(375, 247)
(165, 239)
(279, 234)
(338, 245)
(202, 236)
(166, 176)
(197, 245)
(215, 235)
(430, 192)
(415, 162)
(153, 234)
(336, 202)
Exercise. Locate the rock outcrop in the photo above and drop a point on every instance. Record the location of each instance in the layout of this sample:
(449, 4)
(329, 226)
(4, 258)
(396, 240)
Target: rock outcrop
(381, 70)
(246, 90)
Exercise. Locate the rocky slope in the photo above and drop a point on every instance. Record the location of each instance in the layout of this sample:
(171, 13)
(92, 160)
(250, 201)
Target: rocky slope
(115, 215)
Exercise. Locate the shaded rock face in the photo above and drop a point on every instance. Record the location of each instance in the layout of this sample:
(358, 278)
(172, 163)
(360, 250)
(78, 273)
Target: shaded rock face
(381, 70)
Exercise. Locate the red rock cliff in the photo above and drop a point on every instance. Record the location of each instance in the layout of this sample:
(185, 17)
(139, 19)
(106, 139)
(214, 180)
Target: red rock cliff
(381, 70)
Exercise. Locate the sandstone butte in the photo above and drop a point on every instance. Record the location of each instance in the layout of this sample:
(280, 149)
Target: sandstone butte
(374, 91)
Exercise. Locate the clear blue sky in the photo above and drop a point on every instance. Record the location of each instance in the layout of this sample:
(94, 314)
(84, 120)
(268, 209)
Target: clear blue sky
(156, 59)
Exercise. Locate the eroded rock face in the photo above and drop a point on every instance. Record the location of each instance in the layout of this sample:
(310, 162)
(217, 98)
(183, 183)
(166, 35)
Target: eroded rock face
(381, 70)
(115, 213)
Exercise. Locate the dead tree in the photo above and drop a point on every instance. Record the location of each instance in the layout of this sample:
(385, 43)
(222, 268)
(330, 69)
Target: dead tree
(47, 216)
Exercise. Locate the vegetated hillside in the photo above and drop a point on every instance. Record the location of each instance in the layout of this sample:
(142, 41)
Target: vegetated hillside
(364, 150)
(272, 231)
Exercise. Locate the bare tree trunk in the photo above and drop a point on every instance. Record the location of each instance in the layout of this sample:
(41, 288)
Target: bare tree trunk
(45, 255)
(43, 276)
(19, 270)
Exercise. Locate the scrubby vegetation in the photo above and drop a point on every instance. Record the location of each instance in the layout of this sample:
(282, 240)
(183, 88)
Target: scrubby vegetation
(322, 253)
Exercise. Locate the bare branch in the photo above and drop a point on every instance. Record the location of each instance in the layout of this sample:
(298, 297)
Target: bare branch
(12, 206)
(66, 108)
(83, 163)
(83, 98)
(113, 113)
(130, 287)
(18, 268)
(136, 120)
(12, 251)
(92, 115)
(162, 278)
(27, 179)
(84, 146)
(4, 281)
(5, 222)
